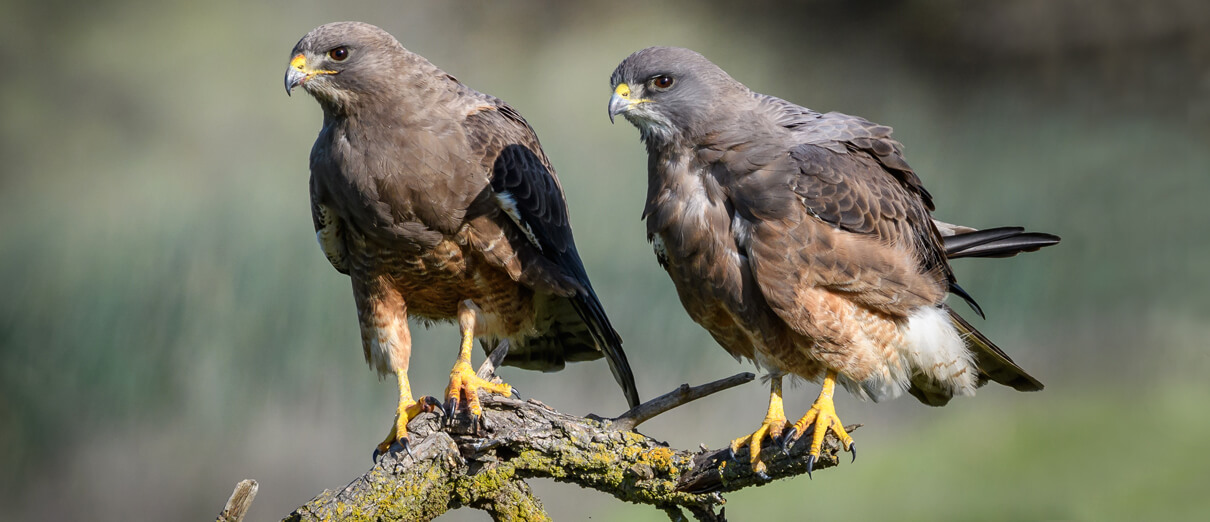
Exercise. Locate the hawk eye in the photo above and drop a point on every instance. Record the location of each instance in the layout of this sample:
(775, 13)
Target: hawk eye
(339, 54)
(661, 82)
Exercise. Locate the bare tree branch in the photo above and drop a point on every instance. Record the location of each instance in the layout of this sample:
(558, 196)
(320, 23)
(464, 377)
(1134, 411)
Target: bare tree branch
(674, 398)
(241, 499)
(458, 463)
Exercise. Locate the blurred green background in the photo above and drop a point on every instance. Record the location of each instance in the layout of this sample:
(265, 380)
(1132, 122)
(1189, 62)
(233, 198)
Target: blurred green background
(169, 327)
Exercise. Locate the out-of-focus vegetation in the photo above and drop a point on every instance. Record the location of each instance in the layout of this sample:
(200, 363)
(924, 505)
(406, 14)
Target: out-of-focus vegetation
(168, 326)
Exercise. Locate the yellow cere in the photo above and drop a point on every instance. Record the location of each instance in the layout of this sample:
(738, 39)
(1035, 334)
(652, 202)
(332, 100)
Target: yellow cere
(299, 62)
(623, 90)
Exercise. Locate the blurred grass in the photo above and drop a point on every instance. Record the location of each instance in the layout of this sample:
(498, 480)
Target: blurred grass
(168, 326)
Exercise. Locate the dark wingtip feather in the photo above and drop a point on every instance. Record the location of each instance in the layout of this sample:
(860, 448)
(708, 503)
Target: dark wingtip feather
(970, 301)
(590, 309)
(991, 360)
(956, 243)
(996, 242)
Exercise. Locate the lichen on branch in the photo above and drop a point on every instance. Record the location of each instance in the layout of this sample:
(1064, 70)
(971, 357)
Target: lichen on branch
(457, 463)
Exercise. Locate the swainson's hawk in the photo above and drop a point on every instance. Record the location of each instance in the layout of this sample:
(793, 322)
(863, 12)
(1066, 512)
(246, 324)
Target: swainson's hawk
(439, 204)
(804, 241)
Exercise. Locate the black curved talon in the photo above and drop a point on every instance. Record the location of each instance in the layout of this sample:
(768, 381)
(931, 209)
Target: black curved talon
(787, 440)
(402, 443)
(763, 476)
(731, 454)
(487, 425)
(432, 403)
(853, 450)
(810, 465)
(477, 423)
(451, 407)
(515, 393)
(780, 442)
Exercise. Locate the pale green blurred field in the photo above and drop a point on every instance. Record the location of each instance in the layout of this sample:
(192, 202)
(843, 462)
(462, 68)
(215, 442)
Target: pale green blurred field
(169, 327)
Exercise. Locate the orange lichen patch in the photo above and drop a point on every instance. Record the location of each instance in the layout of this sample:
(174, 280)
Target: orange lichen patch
(658, 457)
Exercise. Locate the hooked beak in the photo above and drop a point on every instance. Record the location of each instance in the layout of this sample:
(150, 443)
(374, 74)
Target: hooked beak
(295, 74)
(620, 102)
(298, 73)
(293, 79)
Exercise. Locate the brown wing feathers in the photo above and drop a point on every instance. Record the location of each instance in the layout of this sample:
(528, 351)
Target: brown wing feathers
(853, 193)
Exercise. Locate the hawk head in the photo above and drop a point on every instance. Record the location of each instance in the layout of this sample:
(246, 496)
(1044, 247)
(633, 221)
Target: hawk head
(339, 62)
(671, 93)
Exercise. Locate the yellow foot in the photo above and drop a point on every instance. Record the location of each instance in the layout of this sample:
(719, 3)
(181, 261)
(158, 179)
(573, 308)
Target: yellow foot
(465, 385)
(822, 417)
(773, 425)
(406, 411)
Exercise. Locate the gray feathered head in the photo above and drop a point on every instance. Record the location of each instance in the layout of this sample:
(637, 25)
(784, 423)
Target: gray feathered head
(671, 92)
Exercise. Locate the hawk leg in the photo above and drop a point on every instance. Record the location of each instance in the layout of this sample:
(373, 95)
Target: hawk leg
(822, 417)
(404, 412)
(774, 423)
(464, 383)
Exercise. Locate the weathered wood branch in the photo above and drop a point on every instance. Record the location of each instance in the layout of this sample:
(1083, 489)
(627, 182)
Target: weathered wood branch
(454, 463)
(641, 413)
(241, 499)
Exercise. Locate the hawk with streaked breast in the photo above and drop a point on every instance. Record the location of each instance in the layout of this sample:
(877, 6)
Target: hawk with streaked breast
(439, 204)
(805, 242)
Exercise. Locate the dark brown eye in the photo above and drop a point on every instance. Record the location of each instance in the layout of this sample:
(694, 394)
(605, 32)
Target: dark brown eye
(661, 82)
(339, 54)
